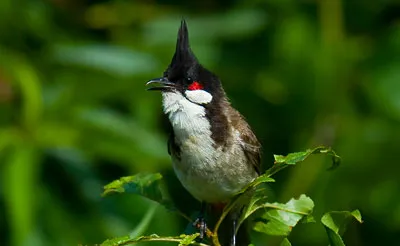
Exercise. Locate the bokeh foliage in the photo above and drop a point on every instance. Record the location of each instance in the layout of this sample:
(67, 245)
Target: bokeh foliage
(74, 114)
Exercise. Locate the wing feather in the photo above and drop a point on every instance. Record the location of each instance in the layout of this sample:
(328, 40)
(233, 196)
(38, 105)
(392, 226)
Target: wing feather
(248, 140)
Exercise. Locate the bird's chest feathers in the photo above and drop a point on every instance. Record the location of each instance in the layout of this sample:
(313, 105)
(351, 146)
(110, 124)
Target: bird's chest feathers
(191, 126)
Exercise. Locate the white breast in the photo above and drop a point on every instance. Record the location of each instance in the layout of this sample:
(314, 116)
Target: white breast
(209, 174)
(187, 118)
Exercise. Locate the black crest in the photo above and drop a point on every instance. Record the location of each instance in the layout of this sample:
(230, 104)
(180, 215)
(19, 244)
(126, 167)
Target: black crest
(183, 58)
(183, 53)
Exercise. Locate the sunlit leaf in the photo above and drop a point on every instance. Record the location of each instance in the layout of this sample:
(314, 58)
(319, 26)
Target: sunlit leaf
(282, 162)
(281, 218)
(259, 180)
(335, 223)
(188, 239)
(116, 241)
(294, 158)
(183, 240)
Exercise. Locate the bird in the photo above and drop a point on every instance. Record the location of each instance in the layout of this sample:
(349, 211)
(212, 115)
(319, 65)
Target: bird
(213, 149)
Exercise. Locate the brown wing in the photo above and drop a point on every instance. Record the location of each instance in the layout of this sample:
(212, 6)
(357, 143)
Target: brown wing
(252, 148)
(250, 145)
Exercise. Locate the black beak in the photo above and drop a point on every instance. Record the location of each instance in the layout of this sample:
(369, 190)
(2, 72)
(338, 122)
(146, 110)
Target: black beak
(163, 84)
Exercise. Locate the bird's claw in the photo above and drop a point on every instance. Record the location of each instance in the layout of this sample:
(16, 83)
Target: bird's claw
(200, 224)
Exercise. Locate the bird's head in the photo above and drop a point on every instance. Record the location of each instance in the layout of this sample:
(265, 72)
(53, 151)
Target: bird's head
(187, 76)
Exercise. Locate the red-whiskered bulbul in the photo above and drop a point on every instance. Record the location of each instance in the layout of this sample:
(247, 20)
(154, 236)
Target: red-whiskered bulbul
(213, 149)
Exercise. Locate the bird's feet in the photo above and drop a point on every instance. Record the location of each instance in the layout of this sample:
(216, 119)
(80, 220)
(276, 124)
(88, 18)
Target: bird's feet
(200, 224)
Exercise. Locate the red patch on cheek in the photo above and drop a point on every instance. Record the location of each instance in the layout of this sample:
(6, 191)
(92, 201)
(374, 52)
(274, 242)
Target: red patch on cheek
(195, 86)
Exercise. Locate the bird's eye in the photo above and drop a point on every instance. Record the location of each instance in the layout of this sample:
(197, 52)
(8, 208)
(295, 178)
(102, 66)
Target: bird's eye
(195, 86)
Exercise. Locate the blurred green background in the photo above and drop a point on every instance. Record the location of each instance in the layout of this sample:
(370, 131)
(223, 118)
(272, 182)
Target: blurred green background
(74, 113)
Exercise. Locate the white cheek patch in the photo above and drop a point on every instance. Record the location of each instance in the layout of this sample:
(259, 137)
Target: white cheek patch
(198, 96)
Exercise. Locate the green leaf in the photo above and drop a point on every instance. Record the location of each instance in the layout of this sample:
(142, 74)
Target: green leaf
(282, 162)
(281, 218)
(285, 242)
(259, 180)
(144, 184)
(188, 239)
(183, 240)
(294, 158)
(115, 241)
(335, 223)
